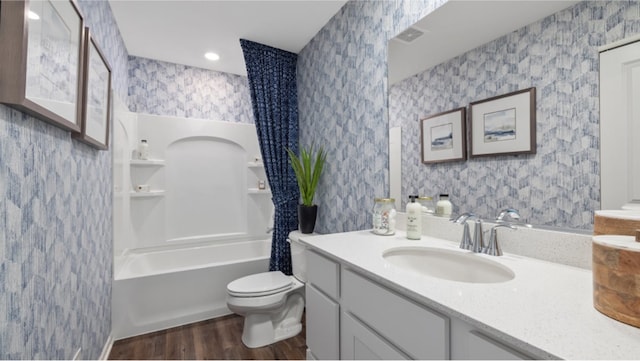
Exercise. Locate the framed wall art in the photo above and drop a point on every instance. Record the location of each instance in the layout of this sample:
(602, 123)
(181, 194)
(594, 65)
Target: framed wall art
(96, 96)
(41, 57)
(443, 136)
(504, 124)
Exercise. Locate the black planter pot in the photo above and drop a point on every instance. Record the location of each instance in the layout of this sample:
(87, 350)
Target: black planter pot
(307, 218)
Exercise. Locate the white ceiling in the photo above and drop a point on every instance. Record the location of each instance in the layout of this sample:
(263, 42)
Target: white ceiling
(461, 25)
(179, 31)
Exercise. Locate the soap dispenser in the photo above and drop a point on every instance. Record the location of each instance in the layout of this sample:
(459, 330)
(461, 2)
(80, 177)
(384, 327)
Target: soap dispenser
(414, 219)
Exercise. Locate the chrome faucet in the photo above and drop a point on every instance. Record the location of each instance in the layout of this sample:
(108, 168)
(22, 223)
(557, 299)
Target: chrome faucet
(493, 248)
(508, 214)
(465, 243)
(511, 216)
(508, 218)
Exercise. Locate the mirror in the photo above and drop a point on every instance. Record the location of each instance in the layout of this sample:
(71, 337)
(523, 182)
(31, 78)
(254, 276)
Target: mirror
(474, 50)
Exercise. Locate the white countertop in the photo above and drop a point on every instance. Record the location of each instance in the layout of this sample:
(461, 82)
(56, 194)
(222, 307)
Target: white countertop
(546, 310)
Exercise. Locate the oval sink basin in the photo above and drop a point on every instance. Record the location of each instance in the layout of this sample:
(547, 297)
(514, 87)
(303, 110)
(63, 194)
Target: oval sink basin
(448, 265)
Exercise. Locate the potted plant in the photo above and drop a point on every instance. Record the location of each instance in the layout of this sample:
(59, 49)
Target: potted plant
(307, 172)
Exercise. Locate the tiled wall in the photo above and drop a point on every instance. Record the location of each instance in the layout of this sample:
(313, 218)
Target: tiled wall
(161, 88)
(55, 227)
(560, 185)
(342, 96)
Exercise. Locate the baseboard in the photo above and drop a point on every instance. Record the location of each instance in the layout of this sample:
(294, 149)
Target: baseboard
(106, 350)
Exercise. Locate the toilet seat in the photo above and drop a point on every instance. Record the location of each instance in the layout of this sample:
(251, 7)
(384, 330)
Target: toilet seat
(260, 284)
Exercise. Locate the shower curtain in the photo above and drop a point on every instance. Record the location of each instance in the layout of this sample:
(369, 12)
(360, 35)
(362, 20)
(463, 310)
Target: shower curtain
(272, 82)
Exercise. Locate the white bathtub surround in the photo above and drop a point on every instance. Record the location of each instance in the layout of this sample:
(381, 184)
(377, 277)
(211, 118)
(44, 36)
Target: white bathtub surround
(203, 181)
(564, 247)
(159, 288)
(208, 178)
(546, 311)
(177, 246)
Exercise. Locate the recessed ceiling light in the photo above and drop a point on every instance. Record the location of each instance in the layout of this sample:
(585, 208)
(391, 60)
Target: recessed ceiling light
(212, 56)
(33, 16)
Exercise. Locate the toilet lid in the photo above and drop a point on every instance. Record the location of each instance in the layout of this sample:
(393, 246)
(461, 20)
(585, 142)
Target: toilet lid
(260, 284)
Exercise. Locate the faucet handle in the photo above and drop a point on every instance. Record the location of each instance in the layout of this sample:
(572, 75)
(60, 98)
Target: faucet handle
(493, 248)
(478, 239)
(465, 243)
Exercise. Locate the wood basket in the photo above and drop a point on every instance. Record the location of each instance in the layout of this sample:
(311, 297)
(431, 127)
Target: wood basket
(616, 267)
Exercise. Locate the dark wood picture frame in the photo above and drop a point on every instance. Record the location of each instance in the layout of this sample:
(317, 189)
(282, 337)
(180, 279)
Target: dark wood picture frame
(96, 96)
(503, 125)
(15, 18)
(443, 136)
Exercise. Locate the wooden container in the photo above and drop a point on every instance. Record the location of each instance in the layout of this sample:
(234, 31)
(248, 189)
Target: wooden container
(616, 277)
(620, 222)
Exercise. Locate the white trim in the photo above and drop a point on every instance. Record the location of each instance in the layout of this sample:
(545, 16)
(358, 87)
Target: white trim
(395, 165)
(77, 355)
(106, 350)
(619, 43)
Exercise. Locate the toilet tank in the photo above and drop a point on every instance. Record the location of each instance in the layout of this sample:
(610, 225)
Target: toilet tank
(298, 257)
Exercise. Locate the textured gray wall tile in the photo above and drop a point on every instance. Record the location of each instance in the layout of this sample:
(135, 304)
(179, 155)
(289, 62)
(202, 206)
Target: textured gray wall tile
(161, 88)
(55, 227)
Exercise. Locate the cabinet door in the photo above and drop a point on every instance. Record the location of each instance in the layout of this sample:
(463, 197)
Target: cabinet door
(323, 316)
(357, 342)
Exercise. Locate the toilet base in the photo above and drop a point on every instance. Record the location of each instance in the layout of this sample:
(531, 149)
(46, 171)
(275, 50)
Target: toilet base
(258, 331)
(262, 329)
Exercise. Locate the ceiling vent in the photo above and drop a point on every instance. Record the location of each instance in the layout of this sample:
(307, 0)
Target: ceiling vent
(409, 35)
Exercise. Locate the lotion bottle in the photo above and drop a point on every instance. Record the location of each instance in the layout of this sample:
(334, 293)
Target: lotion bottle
(414, 219)
(143, 150)
(444, 206)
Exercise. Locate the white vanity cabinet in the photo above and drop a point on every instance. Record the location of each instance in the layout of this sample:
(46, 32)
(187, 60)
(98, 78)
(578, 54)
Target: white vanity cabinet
(322, 307)
(351, 316)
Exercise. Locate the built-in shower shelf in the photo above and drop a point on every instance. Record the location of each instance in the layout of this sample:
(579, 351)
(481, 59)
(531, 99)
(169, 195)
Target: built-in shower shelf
(258, 191)
(255, 165)
(150, 194)
(147, 162)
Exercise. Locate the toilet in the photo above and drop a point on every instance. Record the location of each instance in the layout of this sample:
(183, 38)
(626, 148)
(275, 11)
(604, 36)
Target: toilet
(271, 302)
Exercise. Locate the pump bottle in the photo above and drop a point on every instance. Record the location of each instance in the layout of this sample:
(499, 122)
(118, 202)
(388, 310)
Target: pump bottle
(414, 219)
(444, 206)
(143, 150)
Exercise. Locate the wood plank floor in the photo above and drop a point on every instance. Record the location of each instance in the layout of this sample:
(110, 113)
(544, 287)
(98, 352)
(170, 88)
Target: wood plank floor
(214, 339)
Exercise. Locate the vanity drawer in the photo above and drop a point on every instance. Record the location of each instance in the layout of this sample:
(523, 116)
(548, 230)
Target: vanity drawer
(323, 274)
(419, 332)
(481, 347)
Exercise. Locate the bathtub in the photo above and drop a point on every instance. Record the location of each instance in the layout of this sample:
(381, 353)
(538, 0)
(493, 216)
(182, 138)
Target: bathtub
(159, 289)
